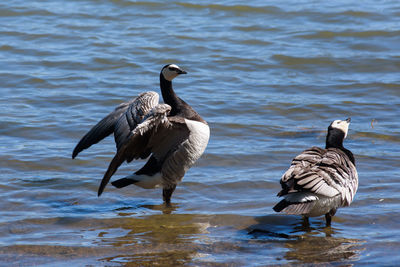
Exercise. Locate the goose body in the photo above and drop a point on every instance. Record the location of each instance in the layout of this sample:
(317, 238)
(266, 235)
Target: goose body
(171, 135)
(319, 181)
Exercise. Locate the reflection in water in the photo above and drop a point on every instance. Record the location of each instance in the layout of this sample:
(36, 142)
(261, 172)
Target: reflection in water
(317, 249)
(181, 239)
(158, 239)
(153, 258)
(165, 209)
(306, 244)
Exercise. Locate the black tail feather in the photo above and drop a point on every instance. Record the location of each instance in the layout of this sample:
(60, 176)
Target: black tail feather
(294, 207)
(123, 182)
(281, 205)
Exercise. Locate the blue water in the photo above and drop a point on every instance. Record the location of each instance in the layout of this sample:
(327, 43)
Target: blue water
(268, 78)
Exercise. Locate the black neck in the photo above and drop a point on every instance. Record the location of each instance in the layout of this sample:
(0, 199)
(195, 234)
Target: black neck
(178, 106)
(334, 139)
(169, 95)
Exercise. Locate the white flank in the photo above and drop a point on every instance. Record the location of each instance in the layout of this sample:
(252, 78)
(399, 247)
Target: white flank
(198, 138)
(188, 152)
(146, 181)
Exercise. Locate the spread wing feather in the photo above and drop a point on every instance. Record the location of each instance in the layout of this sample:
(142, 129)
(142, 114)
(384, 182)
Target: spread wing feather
(134, 115)
(120, 121)
(158, 134)
(326, 172)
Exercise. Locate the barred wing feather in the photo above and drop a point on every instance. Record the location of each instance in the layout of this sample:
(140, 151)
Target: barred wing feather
(134, 115)
(326, 172)
(140, 140)
(120, 121)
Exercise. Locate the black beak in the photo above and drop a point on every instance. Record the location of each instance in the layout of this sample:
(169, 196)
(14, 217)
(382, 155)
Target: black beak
(182, 72)
(348, 120)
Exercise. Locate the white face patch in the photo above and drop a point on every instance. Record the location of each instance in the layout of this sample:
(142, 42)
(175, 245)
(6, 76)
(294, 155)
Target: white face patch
(170, 72)
(341, 125)
(174, 66)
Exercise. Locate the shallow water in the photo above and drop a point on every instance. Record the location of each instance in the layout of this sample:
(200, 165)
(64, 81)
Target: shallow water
(269, 78)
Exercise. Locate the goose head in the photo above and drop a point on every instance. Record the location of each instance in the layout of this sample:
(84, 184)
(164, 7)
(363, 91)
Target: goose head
(170, 71)
(337, 132)
(340, 125)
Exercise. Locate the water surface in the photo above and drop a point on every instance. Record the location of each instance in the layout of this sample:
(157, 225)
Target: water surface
(268, 77)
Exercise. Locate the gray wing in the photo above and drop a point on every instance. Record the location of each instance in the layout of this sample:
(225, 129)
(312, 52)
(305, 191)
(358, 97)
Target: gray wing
(326, 172)
(134, 115)
(120, 122)
(157, 134)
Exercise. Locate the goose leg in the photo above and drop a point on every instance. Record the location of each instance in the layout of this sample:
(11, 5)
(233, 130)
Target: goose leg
(328, 216)
(306, 222)
(328, 219)
(167, 193)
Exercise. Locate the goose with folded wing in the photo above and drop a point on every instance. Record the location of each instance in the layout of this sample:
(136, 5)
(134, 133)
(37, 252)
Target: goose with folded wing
(319, 181)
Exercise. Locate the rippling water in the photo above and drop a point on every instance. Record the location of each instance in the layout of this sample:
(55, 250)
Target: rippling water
(269, 78)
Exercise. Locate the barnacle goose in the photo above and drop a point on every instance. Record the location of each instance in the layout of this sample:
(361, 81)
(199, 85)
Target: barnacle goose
(319, 181)
(172, 135)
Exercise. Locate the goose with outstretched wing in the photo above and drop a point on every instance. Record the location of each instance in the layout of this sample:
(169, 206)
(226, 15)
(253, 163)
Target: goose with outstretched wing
(172, 135)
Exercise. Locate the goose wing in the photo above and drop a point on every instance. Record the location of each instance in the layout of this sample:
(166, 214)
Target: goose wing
(136, 112)
(325, 172)
(157, 134)
(120, 121)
